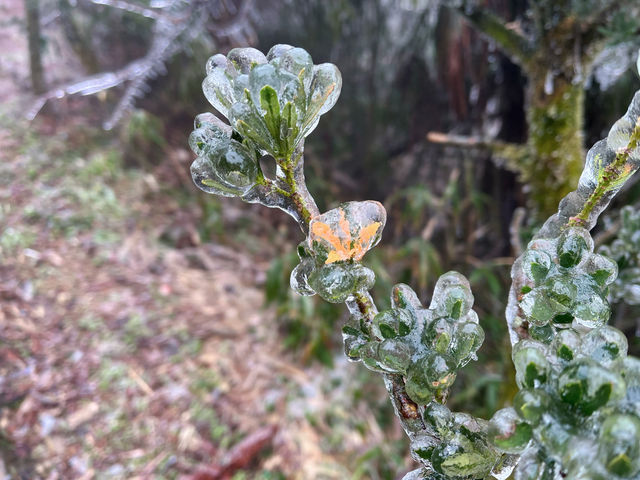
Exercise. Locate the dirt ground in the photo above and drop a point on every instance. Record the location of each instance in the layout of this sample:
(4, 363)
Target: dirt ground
(130, 360)
(132, 347)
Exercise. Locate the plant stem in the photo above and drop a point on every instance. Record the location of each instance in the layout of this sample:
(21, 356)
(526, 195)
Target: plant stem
(303, 202)
(405, 408)
(610, 177)
(362, 302)
(301, 198)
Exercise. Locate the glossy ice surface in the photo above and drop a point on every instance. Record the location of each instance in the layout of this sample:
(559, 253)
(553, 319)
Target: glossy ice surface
(577, 413)
(580, 392)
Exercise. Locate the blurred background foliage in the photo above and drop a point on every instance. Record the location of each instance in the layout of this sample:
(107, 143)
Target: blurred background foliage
(410, 67)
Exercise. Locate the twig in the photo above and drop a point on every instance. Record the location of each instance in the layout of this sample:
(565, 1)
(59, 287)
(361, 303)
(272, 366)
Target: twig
(239, 456)
(144, 386)
(495, 146)
(177, 23)
(86, 86)
(128, 7)
(514, 155)
(363, 303)
(609, 178)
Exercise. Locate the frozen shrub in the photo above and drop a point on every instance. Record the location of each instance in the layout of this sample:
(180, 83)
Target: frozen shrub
(579, 392)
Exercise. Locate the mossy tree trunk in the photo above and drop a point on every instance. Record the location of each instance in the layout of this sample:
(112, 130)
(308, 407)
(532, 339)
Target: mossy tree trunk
(556, 55)
(555, 145)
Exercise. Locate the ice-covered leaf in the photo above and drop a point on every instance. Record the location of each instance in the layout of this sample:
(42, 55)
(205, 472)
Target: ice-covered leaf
(586, 386)
(452, 295)
(299, 280)
(619, 446)
(218, 84)
(296, 61)
(224, 166)
(467, 339)
(392, 323)
(245, 59)
(346, 233)
(275, 101)
(532, 365)
(460, 457)
(566, 345)
(531, 405)
(508, 431)
(207, 179)
(605, 345)
(393, 356)
(337, 282)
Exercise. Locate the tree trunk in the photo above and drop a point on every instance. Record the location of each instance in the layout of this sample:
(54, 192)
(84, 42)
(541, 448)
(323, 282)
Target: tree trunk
(32, 10)
(78, 40)
(556, 77)
(555, 119)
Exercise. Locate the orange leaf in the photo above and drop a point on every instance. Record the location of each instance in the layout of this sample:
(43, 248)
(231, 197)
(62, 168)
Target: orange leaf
(337, 256)
(367, 234)
(344, 226)
(340, 238)
(323, 231)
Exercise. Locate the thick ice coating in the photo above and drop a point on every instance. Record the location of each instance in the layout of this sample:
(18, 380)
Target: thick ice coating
(274, 101)
(579, 396)
(347, 232)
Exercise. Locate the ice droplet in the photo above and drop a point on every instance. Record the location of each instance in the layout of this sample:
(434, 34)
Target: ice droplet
(336, 282)
(244, 59)
(619, 446)
(508, 432)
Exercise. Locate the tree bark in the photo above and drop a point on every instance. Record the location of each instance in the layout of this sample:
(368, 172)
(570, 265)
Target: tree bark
(555, 143)
(32, 11)
(77, 39)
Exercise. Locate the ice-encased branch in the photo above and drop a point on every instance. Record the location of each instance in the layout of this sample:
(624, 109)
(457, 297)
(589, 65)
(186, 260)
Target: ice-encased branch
(177, 24)
(609, 164)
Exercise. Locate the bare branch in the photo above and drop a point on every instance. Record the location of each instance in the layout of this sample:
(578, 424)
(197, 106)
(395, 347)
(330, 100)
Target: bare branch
(128, 7)
(177, 24)
(87, 86)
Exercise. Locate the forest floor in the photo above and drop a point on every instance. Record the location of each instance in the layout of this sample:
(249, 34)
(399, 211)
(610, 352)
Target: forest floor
(130, 348)
(134, 338)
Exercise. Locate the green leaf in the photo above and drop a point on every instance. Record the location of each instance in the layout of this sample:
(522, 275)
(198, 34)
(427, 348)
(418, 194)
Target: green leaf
(403, 329)
(601, 276)
(620, 465)
(387, 331)
(456, 309)
(565, 353)
(269, 103)
(352, 331)
(289, 127)
(533, 373)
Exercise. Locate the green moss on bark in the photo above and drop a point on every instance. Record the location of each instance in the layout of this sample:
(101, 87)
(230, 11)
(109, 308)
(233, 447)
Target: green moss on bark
(555, 143)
